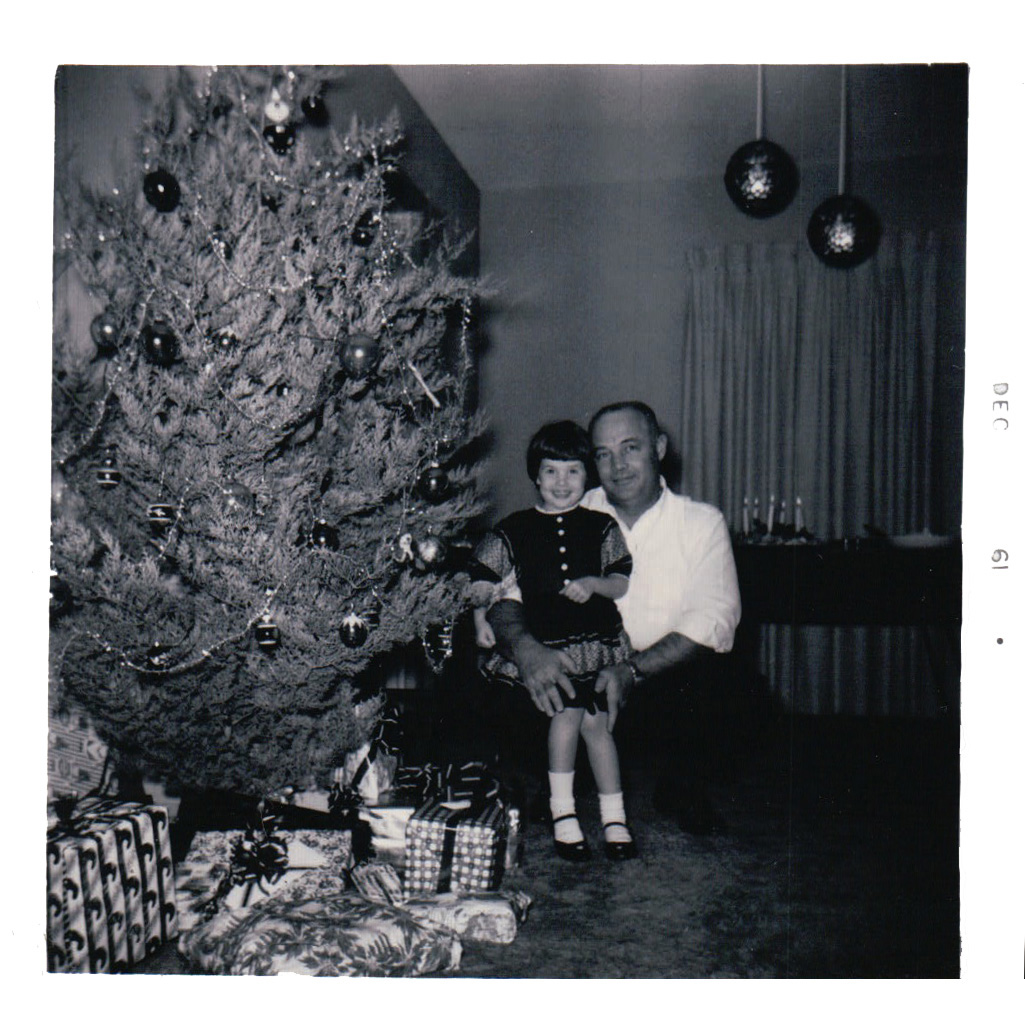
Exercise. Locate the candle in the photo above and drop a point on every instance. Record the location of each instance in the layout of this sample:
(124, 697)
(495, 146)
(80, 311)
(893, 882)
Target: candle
(755, 514)
(782, 511)
(772, 512)
(798, 515)
(746, 518)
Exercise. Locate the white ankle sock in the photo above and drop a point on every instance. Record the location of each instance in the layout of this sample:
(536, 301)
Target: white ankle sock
(612, 811)
(562, 803)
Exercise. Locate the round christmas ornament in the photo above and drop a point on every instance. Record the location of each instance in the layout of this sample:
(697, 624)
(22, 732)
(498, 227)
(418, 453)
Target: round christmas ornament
(272, 201)
(843, 231)
(433, 484)
(366, 229)
(353, 631)
(159, 343)
(107, 473)
(323, 535)
(60, 596)
(237, 497)
(760, 178)
(104, 333)
(275, 109)
(268, 636)
(315, 111)
(359, 355)
(161, 190)
(281, 137)
(431, 551)
(161, 515)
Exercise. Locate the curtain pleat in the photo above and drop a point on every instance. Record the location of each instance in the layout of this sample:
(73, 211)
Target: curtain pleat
(801, 380)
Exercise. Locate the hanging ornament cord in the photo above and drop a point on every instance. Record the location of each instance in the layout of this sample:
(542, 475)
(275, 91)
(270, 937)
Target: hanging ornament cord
(843, 131)
(760, 104)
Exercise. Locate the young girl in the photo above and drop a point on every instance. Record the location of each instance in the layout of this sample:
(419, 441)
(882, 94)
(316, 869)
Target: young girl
(569, 565)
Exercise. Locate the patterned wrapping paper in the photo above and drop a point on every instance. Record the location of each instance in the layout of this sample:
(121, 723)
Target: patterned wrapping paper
(110, 886)
(456, 846)
(340, 934)
(320, 870)
(75, 757)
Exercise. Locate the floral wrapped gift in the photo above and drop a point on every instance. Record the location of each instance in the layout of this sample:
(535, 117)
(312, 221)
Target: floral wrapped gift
(456, 846)
(110, 886)
(229, 869)
(340, 934)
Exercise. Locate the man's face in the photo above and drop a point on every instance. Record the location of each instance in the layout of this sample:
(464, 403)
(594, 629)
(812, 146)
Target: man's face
(626, 459)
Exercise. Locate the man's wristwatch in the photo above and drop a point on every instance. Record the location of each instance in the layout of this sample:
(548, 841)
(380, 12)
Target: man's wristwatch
(635, 673)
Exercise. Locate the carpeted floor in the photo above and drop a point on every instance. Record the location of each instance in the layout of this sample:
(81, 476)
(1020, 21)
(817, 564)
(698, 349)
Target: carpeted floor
(834, 855)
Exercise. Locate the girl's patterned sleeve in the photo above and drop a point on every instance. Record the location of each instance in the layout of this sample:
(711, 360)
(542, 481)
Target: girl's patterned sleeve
(615, 556)
(491, 571)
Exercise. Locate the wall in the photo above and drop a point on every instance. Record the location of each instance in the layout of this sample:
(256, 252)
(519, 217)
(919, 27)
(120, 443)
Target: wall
(590, 306)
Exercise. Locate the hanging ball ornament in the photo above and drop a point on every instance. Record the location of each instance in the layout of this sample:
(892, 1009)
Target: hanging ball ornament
(104, 332)
(159, 343)
(433, 484)
(353, 631)
(161, 515)
(366, 229)
(276, 109)
(431, 551)
(323, 535)
(359, 355)
(271, 200)
(108, 475)
(224, 341)
(161, 190)
(760, 178)
(281, 137)
(268, 636)
(843, 231)
(315, 111)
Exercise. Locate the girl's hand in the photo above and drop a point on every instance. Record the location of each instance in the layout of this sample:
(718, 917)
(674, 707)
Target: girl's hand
(579, 590)
(485, 635)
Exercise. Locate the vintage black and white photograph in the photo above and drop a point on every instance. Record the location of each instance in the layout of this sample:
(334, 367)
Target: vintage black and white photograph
(506, 520)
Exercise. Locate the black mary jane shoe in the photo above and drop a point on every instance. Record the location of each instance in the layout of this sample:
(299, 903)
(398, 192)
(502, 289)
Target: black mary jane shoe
(578, 851)
(620, 850)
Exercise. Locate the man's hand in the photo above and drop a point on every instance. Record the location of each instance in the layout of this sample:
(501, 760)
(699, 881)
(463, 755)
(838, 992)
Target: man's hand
(579, 590)
(543, 671)
(616, 683)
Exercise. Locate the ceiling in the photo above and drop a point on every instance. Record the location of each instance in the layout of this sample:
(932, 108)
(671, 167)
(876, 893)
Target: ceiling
(524, 126)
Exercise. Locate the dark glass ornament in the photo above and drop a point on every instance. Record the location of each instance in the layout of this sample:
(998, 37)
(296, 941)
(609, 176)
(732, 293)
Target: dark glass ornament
(359, 355)
(224, 341)
(843, 231)
(353, 631)
(281, 137)
(315, 111)
(107, 473)
(104, 332)
(433, 484)
(268, 636)
(237, 497)
(431, 551)
(366, 229)
(271, 201)
(761, 179)
(161, 190)
(161, 515)
(60, 596)
(159, 343)
(323, 535)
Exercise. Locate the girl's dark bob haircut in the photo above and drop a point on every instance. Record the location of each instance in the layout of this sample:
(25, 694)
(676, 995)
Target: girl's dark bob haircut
(564, 440)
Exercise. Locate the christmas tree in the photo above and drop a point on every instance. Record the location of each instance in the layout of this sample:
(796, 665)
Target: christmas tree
(262, 464)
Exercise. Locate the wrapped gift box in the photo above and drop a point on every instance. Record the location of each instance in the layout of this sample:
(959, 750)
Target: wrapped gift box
(339, 934)
(369, 770)
(317, 862)
(456, 846)
(76, 757)
(110, 886)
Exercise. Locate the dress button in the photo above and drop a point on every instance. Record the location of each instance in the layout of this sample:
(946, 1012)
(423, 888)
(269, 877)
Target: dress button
(565, 567)
(558, 519)
(562, 548)
(560, 532)
(565, 581)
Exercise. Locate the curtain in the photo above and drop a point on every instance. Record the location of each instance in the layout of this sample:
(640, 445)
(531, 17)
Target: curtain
(802, 380)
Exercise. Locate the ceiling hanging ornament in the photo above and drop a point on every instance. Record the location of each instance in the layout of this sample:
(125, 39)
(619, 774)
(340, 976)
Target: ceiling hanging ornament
(844, 230)
(760, 177)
